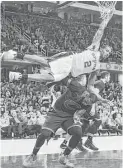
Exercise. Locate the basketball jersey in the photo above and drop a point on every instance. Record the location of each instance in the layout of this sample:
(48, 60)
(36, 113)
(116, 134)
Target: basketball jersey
(85, 62)
(71, 100)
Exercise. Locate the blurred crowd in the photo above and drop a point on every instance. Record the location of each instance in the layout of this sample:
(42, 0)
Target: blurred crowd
(112, 117)
(25, 106)
(51, 34)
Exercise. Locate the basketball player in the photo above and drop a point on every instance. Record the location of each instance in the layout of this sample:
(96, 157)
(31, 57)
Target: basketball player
(75, 98)
(92, 115)
(55, 69)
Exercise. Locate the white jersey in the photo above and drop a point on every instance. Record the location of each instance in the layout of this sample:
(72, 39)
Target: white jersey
(77, 64)
(85, 62)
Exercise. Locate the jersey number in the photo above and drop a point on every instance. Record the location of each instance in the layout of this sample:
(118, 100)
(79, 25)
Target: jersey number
(87, 64)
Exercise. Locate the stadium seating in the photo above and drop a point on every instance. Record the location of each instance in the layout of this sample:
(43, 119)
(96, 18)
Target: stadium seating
(50, 34)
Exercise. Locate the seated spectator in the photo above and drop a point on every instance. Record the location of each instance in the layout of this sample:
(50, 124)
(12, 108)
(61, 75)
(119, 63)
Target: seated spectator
(5, 125)
(16, 124)
(119, 121)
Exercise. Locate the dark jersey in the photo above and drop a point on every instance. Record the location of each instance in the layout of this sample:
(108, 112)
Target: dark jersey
(71, 100)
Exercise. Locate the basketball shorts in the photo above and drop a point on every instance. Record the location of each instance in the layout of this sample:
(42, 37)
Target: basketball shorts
(54, 122)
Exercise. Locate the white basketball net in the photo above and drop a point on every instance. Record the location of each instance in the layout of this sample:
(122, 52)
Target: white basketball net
(106, 8)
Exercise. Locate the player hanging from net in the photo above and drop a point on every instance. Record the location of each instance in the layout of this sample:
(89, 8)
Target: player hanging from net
(86, 62)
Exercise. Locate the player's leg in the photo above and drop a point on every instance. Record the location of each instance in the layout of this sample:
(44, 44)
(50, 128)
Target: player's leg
(92, 129)
(76, 133)
(50, 126)
(80, 146)
(64, 143)
(85, 125)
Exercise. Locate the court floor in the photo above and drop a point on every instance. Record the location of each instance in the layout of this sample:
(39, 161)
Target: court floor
(109, 156)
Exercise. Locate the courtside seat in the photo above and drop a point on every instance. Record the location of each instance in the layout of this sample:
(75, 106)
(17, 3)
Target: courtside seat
(103, 131)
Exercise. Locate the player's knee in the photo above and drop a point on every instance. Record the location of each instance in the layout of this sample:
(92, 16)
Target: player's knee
(77, 131)
(46, 133)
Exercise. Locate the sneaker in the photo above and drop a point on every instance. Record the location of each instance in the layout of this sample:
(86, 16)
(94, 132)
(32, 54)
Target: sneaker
(29, 161)
(64, 161)
(89, 144)
(63, 146)
(80, 147)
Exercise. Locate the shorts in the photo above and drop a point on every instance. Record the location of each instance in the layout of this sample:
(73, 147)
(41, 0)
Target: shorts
(54, 122)
(88, 116)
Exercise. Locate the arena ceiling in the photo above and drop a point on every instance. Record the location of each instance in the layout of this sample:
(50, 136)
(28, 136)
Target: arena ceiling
(119, 5)
(86, 6)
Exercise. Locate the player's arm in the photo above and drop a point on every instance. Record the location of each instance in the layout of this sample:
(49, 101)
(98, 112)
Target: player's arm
(92, 78)
(35, 59)
(78, 115)
(92, 89)
(98, 36)
(43, 78)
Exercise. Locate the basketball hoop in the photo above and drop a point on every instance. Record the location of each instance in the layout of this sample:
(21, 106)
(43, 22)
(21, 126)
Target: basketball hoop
(106, 8)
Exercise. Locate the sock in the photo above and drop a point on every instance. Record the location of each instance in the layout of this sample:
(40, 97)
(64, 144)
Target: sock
(39, 142)
(67, 151)
(72, 144)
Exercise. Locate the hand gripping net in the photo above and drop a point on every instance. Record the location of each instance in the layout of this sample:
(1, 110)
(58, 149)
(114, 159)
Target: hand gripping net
(106, 8)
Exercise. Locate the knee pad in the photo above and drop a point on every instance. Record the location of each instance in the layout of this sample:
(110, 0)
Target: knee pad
(76, 130)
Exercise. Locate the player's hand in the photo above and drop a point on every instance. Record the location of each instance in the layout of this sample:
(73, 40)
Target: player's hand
(111, 103)
(105, 101)
(9, 55)
(12, 55)
(14, 76)
(77, 120)
(77, 116)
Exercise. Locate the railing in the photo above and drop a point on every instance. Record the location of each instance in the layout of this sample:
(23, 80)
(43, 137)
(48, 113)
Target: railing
(8, 22)
(43, 52)
(2, 19)
(27, 37)
(17, 29)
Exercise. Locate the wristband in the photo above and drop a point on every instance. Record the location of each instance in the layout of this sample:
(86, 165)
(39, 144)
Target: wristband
(20, 55)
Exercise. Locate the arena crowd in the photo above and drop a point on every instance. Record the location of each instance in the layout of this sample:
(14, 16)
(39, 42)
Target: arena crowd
(55, 35)
(24, 108)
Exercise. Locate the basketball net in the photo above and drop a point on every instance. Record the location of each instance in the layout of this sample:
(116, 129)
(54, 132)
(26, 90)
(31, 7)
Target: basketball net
(106, 8)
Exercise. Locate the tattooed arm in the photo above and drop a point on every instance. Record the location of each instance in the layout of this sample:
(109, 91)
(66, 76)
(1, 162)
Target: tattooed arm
(98, 36)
